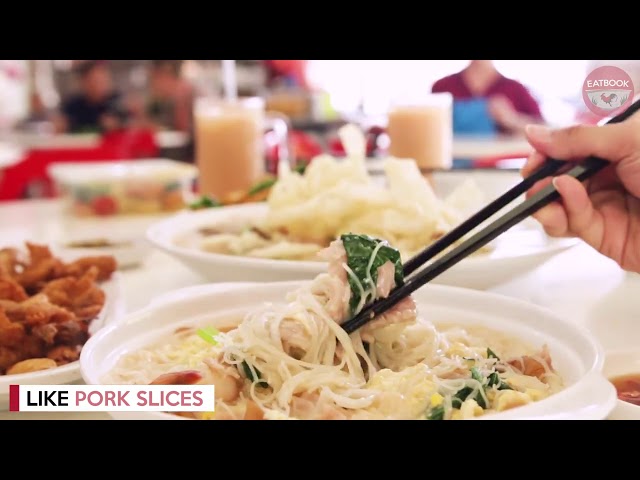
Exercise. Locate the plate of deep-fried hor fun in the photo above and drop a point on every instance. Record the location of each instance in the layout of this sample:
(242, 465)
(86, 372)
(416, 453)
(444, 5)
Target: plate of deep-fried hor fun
(280, 239)
(50, 304)
(278, 351)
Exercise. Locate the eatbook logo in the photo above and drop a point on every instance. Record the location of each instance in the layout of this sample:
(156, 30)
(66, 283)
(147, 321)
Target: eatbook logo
(606, 90)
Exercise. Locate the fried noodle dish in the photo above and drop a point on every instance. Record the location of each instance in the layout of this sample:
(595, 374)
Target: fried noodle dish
(293, 360)
(307, 211)
(46, 307)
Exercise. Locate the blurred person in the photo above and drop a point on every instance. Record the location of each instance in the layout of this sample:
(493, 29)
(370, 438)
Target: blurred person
(605, 211)
(170, 103)
(287, 73)
(487, 102)
(97, 107)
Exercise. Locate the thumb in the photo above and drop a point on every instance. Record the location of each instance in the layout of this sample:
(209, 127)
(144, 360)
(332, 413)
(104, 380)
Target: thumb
(610, 142)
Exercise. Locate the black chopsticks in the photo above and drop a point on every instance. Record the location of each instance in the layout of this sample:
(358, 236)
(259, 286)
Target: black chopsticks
(582, 171)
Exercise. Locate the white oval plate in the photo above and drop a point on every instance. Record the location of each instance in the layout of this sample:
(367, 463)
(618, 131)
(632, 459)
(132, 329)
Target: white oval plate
(515, 252)
(576, 354)
(112, 311)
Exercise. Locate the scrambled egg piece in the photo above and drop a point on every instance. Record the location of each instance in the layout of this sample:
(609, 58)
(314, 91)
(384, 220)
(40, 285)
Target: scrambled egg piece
(506, 399)
(412, 387)
(436, 400)
(535, 394)
(470, 409)
(524, 382)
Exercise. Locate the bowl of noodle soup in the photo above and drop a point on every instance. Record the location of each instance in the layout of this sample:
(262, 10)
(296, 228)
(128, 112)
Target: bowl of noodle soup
(278, 354)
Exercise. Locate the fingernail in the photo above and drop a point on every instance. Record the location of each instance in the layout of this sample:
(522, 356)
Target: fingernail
(539, 133)
(554, 181)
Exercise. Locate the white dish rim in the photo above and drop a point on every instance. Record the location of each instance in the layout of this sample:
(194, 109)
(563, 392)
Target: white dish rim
(158, 234)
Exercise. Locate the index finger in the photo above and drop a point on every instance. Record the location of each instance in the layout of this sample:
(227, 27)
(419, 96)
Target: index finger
(535, 160)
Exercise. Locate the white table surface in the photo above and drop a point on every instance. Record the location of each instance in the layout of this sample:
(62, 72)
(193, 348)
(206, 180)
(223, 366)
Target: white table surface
(488, 146)
(578, 284)
(38, 141)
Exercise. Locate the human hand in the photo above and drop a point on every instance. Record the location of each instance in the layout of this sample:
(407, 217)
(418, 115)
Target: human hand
(605, 211)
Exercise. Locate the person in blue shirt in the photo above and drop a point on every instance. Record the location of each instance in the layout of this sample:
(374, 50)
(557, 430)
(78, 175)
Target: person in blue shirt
(97, 107)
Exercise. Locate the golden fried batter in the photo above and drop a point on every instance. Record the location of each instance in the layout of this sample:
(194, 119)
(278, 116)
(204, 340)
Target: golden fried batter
(12, 290)
(35, 311)
(42, 267)
(79, 295)
(11, 333)
(7, 358)
(63, 354)
(9, 262)
(106, 265)
(46, 307)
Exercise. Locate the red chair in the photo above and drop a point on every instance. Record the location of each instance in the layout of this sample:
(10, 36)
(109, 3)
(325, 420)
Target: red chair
(20, 180)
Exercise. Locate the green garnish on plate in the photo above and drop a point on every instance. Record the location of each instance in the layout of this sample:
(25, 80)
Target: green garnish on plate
(208, 334)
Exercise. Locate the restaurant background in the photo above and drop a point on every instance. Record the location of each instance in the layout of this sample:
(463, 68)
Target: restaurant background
(155, 184)
(315, 97)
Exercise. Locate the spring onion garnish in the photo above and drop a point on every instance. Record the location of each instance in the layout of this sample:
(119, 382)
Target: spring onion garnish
(208, 334)
(492, 354)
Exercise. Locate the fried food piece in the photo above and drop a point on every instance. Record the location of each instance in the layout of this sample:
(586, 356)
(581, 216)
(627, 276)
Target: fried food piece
(46, 331)
(42, 266)
(105, 264)
(36, 310)
(32, 365)
(9, 262)
(12, 290)
(63, 354)
(72, 333)
(32, 347)
(82, 296)
(11, 333)
(8, 357)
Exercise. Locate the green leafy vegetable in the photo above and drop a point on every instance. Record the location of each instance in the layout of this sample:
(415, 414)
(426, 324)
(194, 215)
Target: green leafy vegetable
(436, 413)
(464, 393)
(492, 354)
(504, 386)
(204, 201)
(263, 185)
(208, 334)
(249, 374)
(359, 250)
(494, 379)
(300, 168)
(460, 396)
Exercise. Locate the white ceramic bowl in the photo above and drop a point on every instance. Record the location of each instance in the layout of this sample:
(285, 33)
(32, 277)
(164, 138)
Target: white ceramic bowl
(515, 253)
(576, 355)
(618, 363)
(112, 311)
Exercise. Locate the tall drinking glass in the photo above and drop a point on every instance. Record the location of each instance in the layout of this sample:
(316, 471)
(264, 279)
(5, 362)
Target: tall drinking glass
(230, 143)
(423, 130)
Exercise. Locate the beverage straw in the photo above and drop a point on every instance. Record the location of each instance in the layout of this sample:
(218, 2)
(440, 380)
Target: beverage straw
(229, 79)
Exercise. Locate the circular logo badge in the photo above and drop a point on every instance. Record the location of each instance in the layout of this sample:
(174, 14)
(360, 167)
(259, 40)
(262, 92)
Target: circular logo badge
(606, 90)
